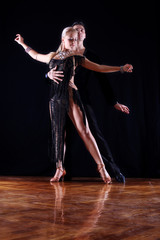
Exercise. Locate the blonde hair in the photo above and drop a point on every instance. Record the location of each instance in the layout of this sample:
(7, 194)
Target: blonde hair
(64, 33)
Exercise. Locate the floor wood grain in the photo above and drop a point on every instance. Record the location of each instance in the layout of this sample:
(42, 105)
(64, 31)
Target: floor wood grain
(32, 208)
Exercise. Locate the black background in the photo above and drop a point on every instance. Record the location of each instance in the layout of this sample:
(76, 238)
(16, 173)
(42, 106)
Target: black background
(118, 31)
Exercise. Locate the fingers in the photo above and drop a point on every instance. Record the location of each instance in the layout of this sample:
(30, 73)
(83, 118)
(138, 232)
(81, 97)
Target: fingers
(58, 78)
(56, 75)
(129, 68)
(53, 72)
(122, 108)
(125, 109)
(17, 37)
(55, 81)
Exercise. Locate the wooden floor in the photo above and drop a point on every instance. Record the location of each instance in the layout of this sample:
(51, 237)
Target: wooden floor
(33, 209)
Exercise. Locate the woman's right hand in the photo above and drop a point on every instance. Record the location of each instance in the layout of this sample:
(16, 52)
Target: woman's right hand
(19, 39)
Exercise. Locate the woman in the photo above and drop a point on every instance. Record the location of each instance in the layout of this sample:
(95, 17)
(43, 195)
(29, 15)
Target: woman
(65, 99)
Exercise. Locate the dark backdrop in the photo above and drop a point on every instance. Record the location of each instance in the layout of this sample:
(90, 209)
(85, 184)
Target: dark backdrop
(120, 32)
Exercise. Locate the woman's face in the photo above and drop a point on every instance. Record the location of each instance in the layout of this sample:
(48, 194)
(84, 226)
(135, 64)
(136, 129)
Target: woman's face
(70, 41)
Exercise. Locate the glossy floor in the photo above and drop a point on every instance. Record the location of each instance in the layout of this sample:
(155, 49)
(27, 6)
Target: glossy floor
(32, 208)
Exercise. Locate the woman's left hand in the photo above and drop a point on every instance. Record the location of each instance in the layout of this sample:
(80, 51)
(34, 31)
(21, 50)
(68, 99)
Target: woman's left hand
(127, 68)
(19, 39)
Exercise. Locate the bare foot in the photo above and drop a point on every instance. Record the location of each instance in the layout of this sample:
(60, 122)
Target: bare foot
(104, 174)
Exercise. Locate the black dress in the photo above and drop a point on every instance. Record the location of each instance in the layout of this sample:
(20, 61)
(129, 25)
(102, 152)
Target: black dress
(59, 100)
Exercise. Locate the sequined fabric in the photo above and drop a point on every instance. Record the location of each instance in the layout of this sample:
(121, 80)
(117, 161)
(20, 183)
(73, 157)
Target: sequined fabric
(59, 103)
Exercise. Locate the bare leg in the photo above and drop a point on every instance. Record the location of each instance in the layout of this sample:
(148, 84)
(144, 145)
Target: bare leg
(84, 132)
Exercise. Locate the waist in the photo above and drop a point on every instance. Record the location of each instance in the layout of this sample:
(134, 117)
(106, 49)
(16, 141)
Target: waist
(72, 84)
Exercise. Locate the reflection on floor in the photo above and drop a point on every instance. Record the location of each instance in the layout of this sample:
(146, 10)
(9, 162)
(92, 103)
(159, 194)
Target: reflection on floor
(32, 208)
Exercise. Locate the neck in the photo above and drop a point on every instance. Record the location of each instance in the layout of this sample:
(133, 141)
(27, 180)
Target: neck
(80, 46)
(66, 50)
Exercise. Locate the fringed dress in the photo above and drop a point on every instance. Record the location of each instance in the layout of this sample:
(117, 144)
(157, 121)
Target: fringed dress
(59, 101)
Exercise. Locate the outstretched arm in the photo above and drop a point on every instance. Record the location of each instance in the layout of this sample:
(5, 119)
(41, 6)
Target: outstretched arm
(45, 58)
(105, 68)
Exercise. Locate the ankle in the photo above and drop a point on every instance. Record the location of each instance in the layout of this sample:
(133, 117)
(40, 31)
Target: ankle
(59, 165)
(60, 168)
(100, 166)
